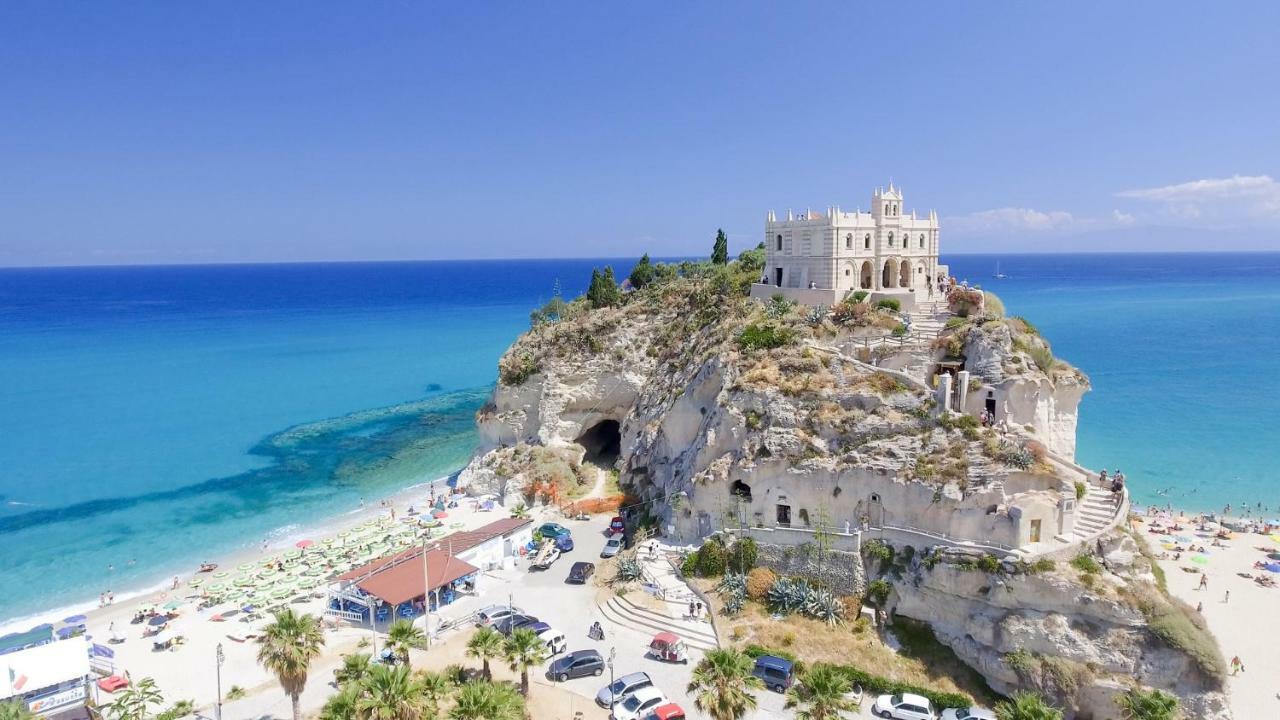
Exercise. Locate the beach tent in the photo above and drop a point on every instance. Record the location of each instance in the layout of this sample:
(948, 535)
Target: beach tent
(37, 635)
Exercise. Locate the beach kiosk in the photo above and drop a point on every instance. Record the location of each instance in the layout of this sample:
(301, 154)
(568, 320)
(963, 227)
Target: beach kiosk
(49, 678)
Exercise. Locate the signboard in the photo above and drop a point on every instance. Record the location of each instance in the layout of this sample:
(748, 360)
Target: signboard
(57, 700)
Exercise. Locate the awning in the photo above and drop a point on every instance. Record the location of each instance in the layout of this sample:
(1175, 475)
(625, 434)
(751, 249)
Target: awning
(405, 581)
(43, 666)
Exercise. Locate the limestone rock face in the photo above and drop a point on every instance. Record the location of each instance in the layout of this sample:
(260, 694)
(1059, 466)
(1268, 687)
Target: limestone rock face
(1084, 646)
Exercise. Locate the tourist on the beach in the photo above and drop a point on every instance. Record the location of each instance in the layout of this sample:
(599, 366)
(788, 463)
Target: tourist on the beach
(111, 597)
(175, 582)
(1200, 607)
(102, 599)
(1237, 665)
(1204, 581)
(691, 608)
(1226, 597)
(1102, 478)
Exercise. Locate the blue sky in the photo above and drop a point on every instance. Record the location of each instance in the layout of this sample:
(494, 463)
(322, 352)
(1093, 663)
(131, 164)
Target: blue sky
(242, 132)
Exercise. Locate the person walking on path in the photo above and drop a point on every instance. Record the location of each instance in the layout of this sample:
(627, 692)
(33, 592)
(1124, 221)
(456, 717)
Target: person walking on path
(1226, 598)
(1204, 581)
(1237, 665)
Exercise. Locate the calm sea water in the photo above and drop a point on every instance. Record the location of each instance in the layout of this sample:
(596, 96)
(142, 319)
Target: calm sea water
(151, 418)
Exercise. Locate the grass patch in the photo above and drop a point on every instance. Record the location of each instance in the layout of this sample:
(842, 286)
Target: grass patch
(763, 337)
(1086, 564)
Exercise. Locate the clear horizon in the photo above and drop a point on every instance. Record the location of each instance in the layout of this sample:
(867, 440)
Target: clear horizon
(239, 133)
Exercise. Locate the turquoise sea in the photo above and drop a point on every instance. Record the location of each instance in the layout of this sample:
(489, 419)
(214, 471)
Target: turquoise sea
(152, 418)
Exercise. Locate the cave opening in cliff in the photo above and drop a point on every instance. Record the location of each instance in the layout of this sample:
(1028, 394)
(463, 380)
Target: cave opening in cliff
(603, 443)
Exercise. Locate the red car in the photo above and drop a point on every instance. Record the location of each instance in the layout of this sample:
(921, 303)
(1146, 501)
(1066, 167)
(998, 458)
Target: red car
(617, 526)
(670, 711)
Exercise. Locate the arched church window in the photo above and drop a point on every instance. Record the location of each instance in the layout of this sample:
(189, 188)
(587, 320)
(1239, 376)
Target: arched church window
(848, 241)
(890, 239)
(866, 242)
(922, 240)
(779, 243)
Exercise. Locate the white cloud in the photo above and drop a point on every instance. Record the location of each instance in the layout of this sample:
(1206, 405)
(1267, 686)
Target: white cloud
(1240, 199)
(1121, 218)
(1010, 219)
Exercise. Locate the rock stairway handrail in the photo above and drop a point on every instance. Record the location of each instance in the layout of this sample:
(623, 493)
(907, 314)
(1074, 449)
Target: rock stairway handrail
(909, 379)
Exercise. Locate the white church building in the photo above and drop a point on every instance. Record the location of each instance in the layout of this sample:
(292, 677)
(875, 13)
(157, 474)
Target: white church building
(820, 258)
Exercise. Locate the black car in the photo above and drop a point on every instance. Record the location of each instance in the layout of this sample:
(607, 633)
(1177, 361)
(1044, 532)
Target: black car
(580, 572)
(510, 624)
(579, 663)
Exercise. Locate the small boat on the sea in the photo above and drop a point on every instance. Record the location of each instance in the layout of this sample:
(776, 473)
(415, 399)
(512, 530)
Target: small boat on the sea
(999, 275)
(207, 567)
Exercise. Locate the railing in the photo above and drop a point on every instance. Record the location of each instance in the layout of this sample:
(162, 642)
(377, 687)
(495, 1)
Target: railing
(849, 541)
(945, 539)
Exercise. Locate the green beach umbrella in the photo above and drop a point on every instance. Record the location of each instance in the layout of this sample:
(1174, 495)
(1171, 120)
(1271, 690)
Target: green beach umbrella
(293, 554)
(245, 567)
(216, 587)
(221, 574)
(1200, 559)
(173, 605)
(329, 540)
(195, 582)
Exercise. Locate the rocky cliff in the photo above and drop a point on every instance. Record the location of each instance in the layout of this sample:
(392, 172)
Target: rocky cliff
(721, 412)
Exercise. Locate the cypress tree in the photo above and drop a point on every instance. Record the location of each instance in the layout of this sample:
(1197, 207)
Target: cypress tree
(720, 251)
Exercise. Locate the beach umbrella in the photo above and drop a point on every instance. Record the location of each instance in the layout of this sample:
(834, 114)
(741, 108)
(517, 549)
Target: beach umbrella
(245, 567)
(66, 632)
(439, 514)
(1275, 537)
(329, 540)
(173, 605)
(195, 582)
(1272, 567)
(304, 544)
(222, 574)
(74, 619)
(216, 587)
(1200, 559)
(158, 621)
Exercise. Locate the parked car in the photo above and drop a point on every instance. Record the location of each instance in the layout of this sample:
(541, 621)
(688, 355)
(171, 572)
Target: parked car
(904, 706)
(564, 543)
(555, 640)
(544, 558)
(553, 530)
(511, 623)
(970, 713)
(670, 711)
(638, 704)
(580, 573)
(612, 547)
(494, 613)
(775, 672)
(579, 663)
(621, 688)
(617, 526)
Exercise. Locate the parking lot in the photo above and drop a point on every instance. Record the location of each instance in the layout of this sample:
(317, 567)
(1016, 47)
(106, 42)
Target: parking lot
(573, 608)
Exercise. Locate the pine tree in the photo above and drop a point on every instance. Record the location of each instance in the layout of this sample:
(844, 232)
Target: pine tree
(603, 291)
(720, 251)
(643, 273)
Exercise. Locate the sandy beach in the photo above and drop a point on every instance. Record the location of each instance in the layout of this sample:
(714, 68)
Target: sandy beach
(188, 672)
(1243, 615)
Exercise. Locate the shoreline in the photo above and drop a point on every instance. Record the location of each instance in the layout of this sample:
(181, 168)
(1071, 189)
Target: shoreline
(292, 533)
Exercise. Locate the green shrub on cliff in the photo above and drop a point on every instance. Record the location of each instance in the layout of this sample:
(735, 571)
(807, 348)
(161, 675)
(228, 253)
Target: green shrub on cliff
(763, 337)
(1139, 704)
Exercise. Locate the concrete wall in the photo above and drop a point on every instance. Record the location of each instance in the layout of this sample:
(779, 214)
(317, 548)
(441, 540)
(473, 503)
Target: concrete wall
(802, 295)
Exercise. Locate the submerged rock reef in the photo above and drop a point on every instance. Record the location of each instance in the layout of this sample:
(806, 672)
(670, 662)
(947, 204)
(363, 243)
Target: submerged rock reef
(773, 420)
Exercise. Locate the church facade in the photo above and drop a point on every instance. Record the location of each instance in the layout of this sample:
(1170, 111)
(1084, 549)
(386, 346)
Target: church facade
(819, 258)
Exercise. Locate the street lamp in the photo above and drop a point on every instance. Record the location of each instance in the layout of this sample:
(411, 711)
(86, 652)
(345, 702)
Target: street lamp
(613, 651)
(218, 707)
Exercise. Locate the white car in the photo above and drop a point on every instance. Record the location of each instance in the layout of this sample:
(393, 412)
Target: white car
(638, 704)
(494, 613)
(969, 713)
(904, 706)
(554, 639)
(612, 547)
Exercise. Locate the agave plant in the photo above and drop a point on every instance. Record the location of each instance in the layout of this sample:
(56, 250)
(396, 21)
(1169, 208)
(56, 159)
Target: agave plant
(826, 606)
(817, 315)
(788, 596)
(628, 570)
(778, 307)
(733, 588)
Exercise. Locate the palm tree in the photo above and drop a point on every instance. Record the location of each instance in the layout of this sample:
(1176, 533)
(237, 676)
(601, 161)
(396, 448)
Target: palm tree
(287, 647)
(1026, 706)
(820, 694)
(403, 636)
(436, 686)
(391, 693)
(486, 644)
(721, 681)
(133, 702)
(1138, 704)
(343, 705)
(487, 701)
(354, 669)
(523, 650)
(16, 710)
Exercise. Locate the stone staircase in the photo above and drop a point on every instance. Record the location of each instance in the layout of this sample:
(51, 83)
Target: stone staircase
(1094, 513)
(620, 611)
